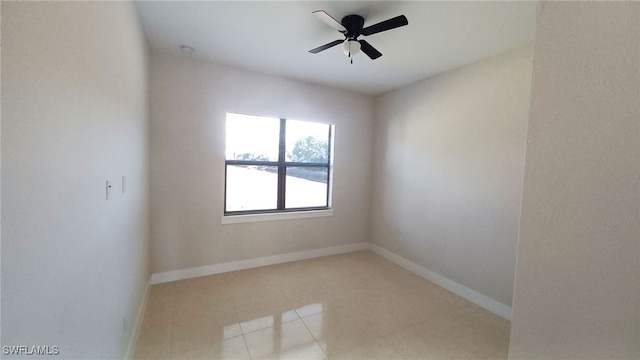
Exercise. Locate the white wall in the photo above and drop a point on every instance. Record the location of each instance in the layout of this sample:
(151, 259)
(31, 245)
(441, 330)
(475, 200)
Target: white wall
(189, 100)
(577, 292)
(449, 155)
(74, 114)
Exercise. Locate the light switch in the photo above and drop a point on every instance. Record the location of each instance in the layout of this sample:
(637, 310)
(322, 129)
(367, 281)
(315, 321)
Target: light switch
(108, 189)
(124, 184)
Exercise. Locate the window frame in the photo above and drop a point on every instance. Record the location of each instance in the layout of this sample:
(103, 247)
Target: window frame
(282, 164)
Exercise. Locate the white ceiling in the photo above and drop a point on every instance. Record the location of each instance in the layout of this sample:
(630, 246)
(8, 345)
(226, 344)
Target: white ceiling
(274, 37)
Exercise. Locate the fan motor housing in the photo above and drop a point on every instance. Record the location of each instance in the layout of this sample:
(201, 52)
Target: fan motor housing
(354, 24)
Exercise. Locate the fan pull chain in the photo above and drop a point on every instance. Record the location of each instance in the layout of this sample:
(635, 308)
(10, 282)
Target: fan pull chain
(350, 57)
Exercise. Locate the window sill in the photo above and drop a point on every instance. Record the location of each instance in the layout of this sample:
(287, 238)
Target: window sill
(237, 219)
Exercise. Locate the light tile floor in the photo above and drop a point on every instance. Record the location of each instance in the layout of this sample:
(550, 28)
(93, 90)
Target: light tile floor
(351, 306)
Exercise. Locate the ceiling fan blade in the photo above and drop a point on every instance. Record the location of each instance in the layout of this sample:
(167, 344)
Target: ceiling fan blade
(326, 46)
(385, 25)
(327, 19)
(371, 52)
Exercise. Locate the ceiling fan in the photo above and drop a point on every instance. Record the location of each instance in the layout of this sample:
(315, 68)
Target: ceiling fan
(351, 27)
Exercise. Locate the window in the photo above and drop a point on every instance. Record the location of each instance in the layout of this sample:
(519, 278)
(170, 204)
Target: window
(276, 165)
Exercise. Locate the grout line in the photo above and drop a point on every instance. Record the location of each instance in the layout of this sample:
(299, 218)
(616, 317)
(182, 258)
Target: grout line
(244, 339)
(235, 311)
(313, 336)
(397, 351)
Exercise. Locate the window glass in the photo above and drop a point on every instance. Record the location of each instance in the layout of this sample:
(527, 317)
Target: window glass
(306, 187)
(252, 138)
(252, 188)
(307, 142)
(275, 165)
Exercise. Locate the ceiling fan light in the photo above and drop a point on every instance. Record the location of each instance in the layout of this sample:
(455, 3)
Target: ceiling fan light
(351, 47)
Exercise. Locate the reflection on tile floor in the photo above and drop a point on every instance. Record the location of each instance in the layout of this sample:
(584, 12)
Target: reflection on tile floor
(351, 306)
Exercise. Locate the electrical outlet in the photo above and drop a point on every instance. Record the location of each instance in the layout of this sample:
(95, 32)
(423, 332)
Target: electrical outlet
(288, 237)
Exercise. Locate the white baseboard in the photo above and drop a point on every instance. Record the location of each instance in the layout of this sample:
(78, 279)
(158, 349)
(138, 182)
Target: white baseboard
(253, 263)
(133, 339)
(456, 288)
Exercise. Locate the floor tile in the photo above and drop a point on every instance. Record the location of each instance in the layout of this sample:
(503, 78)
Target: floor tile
(289, 340)
(445, 337)
(349, 306)
(310, 309)
(375, 350)
(160, 305)
(154, 340)
(212, 284)
(274, 319)
(234, 348)
(205, 328)
(198, 307)
(145, 351)
(153, 343)
(339, 331)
